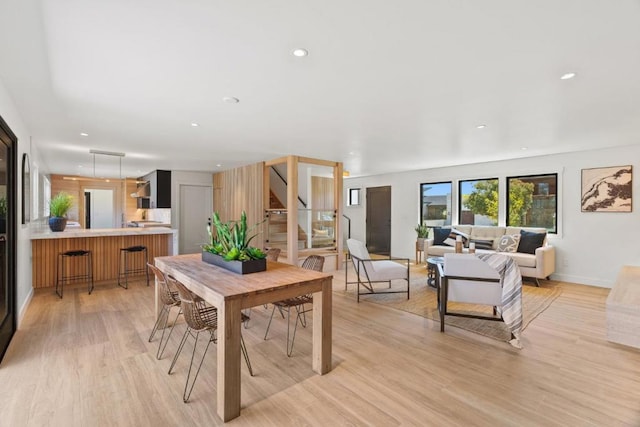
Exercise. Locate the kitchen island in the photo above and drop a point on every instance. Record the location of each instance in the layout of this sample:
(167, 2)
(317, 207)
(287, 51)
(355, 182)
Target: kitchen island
(105, 245)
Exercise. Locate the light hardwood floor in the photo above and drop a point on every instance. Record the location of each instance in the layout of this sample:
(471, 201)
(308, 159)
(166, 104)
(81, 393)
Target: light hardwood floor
(85, 361)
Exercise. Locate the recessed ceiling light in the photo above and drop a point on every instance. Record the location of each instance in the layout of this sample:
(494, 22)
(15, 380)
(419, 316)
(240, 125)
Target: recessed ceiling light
(84, 134)
(567, 76)
(80, 166)
(194, 124)
(523, 148)
(230, 100)
(218, 165)
(300, 53)
(481, 126)
(351, 153)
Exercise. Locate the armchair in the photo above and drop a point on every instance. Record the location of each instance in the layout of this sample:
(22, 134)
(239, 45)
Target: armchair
(485, 279)
(369, 271)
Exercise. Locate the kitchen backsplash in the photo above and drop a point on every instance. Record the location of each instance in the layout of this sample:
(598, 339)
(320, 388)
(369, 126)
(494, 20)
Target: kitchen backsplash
(160, 215)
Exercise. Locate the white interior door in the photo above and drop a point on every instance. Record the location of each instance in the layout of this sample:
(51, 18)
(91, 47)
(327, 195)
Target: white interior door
(196, 206)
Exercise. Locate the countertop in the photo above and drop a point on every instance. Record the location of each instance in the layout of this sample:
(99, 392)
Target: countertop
(101, 232)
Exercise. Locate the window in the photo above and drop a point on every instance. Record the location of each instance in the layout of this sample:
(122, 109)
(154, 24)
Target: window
(46, 192)
(478, 203)
(435, 203)
(532, 201)
(354, 197)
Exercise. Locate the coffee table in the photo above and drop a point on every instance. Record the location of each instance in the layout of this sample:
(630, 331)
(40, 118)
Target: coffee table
(432, 266)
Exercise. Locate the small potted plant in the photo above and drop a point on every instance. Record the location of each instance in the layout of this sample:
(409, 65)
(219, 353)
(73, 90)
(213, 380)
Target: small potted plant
(230, 249)
(3, 214)
(58, 208)
(423, 233)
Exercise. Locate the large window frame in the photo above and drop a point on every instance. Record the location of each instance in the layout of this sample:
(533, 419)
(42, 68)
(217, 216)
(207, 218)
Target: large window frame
(539, 193)
(461, 194)
(439, 213)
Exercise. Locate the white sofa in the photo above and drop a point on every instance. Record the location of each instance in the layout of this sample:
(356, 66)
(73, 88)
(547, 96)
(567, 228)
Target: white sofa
(537, 266)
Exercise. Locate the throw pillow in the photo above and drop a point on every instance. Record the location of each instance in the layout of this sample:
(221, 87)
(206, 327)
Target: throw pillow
(483, 244)
(439, 235)
(451, 240)
(509, 243)
(530, 241)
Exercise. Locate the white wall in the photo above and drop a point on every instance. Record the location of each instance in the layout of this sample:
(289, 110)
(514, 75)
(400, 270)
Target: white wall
(590, 247)
(11, 116)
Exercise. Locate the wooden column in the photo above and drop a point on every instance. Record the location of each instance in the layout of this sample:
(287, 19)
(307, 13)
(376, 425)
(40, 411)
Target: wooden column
(292, 211)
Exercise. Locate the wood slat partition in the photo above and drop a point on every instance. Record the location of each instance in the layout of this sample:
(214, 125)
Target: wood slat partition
(105, 249)
(241, 189)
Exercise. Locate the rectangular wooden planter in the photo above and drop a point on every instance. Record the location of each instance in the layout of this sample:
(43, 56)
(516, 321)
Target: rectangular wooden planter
(240, 267)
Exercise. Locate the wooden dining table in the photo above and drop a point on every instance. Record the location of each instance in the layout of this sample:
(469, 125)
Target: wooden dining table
(231, 292)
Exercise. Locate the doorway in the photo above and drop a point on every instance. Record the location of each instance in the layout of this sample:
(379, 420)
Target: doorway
(379, 220)
(8, 197)
(196, 206)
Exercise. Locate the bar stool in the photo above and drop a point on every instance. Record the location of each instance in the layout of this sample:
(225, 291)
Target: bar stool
(60, 268)
(130, 271)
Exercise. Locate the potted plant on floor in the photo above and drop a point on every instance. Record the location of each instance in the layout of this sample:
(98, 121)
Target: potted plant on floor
(423, 233)
(58, 208)
(229, 247)
(3, 215)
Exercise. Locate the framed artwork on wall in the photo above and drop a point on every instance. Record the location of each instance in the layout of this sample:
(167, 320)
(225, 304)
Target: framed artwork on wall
(606, 189)
(26, 189)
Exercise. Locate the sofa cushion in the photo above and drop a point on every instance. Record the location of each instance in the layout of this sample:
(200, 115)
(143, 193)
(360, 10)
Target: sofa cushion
(466, 229)
(486, 232)
(483, 244)
(530, 241)
(439, 235)
(451, 240)
(509, 243)
(523, 260)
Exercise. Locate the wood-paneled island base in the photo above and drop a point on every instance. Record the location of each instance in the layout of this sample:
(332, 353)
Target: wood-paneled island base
(105, 245)
(230, 293)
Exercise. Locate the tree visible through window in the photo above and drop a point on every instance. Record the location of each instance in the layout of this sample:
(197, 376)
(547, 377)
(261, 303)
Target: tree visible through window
(479, 202)
(532, 201)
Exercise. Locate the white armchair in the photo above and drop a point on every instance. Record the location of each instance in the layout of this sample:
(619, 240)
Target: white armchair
(369, 271)
(466, 278)
(486, 279)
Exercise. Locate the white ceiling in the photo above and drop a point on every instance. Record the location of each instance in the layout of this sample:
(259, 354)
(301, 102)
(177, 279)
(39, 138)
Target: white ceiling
(387, 86)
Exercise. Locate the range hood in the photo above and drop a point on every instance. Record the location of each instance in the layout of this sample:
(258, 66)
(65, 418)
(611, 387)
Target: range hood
(143, 191)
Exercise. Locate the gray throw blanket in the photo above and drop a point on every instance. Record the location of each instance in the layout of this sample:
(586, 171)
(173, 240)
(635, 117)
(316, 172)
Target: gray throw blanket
(511, 310)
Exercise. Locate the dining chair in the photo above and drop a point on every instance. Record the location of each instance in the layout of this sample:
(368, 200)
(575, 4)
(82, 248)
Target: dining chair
(199, 318)
(169, 299)
(312, 262)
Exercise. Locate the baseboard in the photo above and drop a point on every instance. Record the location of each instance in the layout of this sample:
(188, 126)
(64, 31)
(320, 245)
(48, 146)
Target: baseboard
(580, 280)
(24, 307)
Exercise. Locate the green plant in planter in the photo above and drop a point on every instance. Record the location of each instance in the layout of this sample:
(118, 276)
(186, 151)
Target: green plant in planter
(60, 204)
(3, 207)
(422, 230)
(232, 239)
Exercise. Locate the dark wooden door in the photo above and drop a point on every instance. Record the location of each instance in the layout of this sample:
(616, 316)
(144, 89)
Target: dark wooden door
(379, 220)
(8, 211)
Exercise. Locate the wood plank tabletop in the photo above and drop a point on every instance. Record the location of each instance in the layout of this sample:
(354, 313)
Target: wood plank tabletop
(215, 284)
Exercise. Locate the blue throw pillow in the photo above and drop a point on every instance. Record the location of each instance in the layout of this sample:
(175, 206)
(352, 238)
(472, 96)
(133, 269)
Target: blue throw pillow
(530, 241)
(440, 235)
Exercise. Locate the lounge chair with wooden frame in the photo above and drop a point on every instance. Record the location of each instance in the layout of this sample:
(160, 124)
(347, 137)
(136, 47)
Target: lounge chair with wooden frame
(370, 271)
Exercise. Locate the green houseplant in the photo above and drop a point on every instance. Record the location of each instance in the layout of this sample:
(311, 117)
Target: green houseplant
(423, 232)
(58, 208)
(3, 214)
(229, 246)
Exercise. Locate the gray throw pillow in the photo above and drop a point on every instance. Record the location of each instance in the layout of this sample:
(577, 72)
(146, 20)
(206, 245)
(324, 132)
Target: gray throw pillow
(509, 243)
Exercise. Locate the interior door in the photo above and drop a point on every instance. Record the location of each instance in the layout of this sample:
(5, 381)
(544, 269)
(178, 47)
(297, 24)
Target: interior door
(196, 206)
(8, 147)
(379, 220)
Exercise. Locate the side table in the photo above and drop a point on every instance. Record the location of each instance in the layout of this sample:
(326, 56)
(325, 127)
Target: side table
(419, 253)
(432, 267)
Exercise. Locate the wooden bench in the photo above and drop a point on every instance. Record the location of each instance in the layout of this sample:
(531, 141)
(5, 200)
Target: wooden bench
(623, 308)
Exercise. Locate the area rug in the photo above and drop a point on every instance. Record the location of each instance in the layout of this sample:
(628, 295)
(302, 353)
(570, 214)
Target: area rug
(535, 300)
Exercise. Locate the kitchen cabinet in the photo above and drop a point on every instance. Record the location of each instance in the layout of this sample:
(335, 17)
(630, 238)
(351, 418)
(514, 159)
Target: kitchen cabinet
(160, 189)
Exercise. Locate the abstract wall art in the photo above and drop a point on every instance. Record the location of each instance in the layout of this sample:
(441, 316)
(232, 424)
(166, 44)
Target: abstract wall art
(606, 189)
